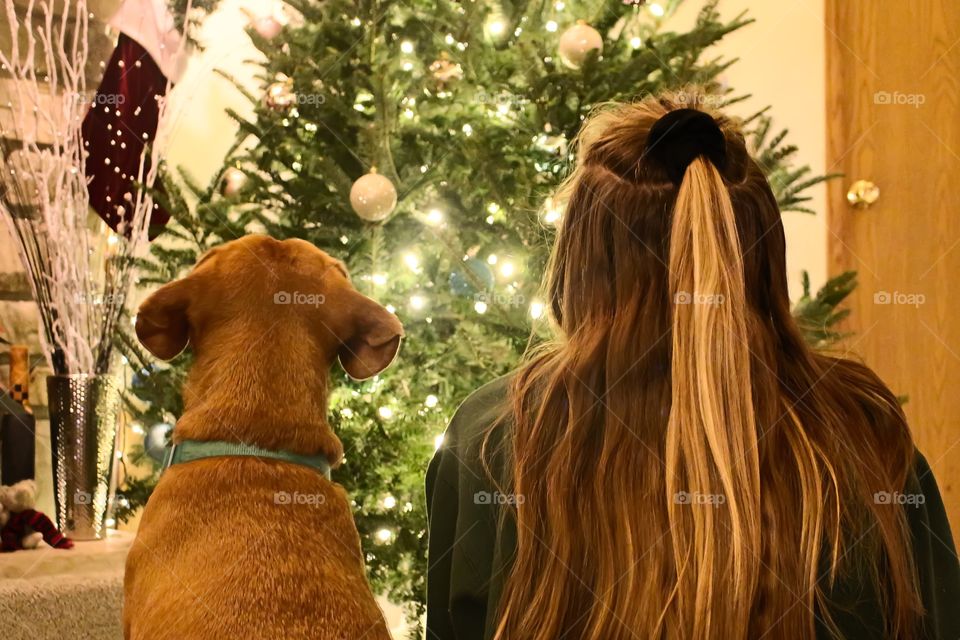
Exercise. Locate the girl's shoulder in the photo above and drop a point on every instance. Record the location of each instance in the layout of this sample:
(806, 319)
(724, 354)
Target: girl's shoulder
(476, 416)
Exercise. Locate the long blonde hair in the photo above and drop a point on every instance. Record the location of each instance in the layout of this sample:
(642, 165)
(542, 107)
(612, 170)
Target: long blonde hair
(689, 467)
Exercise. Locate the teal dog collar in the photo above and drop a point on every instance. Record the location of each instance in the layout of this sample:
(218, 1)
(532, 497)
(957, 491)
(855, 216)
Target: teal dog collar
(190, 450)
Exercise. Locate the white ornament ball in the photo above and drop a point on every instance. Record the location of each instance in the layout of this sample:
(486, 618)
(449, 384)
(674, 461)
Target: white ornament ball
(373, 197)
(234, 180)
(577, 42)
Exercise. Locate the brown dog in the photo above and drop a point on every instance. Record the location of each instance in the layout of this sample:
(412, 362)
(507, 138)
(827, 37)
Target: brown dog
(245, 546)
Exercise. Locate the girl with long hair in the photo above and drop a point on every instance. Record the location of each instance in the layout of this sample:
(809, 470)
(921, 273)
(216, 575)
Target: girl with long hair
(678, 463)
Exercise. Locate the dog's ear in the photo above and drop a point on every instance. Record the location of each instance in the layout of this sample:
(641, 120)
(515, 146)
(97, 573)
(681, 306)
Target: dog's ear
(162, 325)
(375, 341)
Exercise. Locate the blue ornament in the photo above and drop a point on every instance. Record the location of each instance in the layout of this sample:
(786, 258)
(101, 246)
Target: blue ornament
(155, 442)
(139, 378)
(462, 284)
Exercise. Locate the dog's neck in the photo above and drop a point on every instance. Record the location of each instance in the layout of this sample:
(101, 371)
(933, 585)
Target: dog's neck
(271, 392)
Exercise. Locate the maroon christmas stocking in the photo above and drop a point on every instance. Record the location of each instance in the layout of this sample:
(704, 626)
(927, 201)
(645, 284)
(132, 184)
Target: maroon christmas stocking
(120, 122)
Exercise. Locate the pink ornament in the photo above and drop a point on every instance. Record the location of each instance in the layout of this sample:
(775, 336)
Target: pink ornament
(267, 27)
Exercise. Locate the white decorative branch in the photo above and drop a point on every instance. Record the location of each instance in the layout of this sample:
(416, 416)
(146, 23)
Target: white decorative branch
(79, 273)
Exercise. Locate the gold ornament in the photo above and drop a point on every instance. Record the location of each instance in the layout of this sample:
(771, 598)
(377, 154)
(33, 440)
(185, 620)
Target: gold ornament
(577, 42)
(444, 70)
(373, 197)
(280, 95)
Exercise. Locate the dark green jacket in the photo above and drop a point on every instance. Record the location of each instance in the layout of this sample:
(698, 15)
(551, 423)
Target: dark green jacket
(470, 550)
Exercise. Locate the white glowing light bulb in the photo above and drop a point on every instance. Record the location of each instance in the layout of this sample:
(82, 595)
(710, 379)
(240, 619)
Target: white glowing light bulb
(431, 401)
(496, 27)
(536, 309)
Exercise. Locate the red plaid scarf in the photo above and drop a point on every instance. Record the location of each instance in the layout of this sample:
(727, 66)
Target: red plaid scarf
(25, 521)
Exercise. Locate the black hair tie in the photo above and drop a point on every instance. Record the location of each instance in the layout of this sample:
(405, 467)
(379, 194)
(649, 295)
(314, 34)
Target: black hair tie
(682, 135)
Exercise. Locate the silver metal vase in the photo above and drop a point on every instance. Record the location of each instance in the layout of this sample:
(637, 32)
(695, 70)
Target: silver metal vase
(84, 410)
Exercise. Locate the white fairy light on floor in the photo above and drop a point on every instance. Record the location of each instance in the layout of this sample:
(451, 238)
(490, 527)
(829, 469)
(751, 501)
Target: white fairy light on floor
(431, 401)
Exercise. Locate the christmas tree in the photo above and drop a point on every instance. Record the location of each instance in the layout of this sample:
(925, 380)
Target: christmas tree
(461, 113)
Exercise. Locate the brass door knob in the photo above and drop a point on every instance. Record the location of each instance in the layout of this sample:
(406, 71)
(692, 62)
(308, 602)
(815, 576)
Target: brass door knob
(862, 194)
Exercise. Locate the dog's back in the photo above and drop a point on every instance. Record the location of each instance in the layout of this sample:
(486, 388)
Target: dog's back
(248, 548)
(245, 546)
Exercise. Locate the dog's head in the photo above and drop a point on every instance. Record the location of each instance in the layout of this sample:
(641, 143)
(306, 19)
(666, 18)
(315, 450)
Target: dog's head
(260, 281)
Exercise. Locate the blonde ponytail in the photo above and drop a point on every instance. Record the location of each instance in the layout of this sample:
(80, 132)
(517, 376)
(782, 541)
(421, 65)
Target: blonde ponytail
(712, 463)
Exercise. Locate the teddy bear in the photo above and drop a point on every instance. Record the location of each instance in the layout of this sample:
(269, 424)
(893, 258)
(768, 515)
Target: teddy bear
(21, 526)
